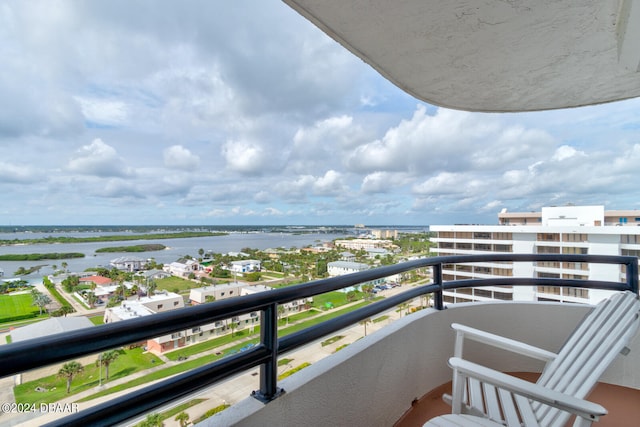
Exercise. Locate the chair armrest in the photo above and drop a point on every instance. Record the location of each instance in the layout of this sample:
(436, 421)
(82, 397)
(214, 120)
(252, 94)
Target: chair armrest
(498, 341)
(580, 407)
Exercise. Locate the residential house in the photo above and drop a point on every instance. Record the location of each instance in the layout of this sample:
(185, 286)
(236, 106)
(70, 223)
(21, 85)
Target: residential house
(182, 268)
(245, 266)
(128, 263)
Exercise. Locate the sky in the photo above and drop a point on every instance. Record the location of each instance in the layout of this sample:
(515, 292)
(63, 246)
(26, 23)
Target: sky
(243, 112)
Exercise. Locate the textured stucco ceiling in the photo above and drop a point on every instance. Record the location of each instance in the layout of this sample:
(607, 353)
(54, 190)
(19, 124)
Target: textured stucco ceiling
(489, 55)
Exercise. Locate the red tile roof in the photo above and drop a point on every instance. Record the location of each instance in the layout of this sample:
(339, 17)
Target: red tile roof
(98, 280)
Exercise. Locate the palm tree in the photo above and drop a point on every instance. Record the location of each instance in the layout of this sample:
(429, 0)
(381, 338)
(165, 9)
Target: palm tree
(401, 307)
(70, 370)
(66, 309)
(364, 322)
(39, 299)
(151, 286)
(91, 299)
(182, 418)
(106, 359)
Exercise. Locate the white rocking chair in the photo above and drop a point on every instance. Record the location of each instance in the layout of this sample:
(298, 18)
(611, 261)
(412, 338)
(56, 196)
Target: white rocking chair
(485, 397)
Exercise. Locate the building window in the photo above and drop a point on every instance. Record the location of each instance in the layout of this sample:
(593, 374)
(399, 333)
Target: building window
(482, 235)
(578, 251)
(503, 296)
(160, 306)
(482, 293)
(175, 303)
(502, 236)
(548, 237)
(548, 250)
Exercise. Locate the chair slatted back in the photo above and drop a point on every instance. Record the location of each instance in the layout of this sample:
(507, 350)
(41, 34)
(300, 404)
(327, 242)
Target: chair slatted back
(600, 337)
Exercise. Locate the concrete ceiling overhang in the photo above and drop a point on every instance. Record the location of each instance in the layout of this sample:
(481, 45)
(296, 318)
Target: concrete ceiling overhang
(490, 55)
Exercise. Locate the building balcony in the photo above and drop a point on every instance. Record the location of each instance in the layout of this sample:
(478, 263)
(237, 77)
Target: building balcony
(389, 377)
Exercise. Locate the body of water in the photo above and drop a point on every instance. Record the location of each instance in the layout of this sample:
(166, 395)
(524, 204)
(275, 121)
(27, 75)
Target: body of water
(176, 248)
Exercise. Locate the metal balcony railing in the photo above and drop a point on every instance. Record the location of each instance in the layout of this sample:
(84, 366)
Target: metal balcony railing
(22, 356)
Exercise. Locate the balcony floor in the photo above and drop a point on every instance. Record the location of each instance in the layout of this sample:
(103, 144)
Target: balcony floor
(621, 402)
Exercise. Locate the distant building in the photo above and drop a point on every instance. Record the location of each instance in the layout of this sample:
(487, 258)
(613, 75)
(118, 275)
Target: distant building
(128, 263)
(182, 269)
(54, 325)
(374, 252)
(97, 280)
(217, 292)
(158, 303)
(358, 244)
(553, 230)
(148, 306)
(245, 266)
(153, 274)
(384, 234)
(339, 268)
(347, 256)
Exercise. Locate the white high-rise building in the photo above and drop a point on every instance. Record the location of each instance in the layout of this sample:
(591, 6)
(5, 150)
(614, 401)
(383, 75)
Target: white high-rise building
(566, 230)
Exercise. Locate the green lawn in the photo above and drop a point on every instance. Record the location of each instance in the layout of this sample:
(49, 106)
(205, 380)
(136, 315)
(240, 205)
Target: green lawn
(173, 283)
(12, 306)
(128, 362)
(97, 320)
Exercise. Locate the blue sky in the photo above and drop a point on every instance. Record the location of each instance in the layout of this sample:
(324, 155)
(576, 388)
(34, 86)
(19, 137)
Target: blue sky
(200, 112)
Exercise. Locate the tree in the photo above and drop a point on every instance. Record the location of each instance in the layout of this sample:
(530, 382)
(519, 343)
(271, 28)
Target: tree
(351, 296)
(368, 291)
(91, 299)
(364, 322)
(403, 306)
(152, 420)
(66, 309)
(182, 418)
(151, 287)
(233, 325)
(39, 299)
(106, 359)
(70, 370)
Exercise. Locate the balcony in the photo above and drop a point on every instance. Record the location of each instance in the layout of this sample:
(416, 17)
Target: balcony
(375, 381)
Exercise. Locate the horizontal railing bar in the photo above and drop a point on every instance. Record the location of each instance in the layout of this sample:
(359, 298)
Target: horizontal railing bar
(124, 407)
(536, 281)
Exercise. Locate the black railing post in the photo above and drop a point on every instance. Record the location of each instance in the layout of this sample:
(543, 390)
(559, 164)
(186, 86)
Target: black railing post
(632, 276)
(437, 280)
(269, 370)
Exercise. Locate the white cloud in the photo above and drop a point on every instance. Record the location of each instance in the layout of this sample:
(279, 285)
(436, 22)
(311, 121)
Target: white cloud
(565, 152)
(179, 157)
(98, 159)
(383, 182)
(11, 173)
(104, 112)
(329, 184)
